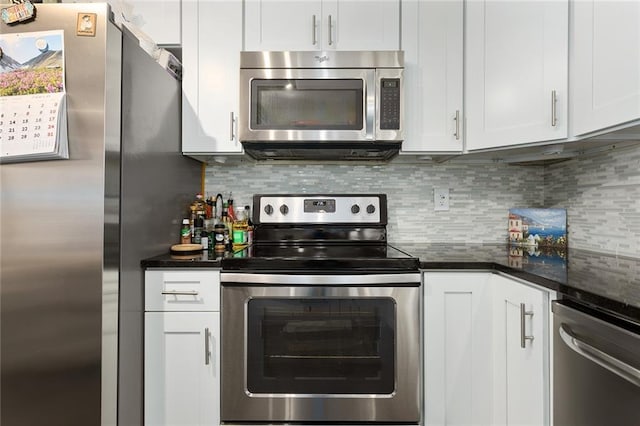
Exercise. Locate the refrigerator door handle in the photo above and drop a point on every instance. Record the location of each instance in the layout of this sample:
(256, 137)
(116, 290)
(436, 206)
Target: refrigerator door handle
(600, 357)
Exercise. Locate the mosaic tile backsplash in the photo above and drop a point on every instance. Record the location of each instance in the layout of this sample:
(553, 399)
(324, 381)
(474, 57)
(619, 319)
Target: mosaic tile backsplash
(480, 195)
(601, 194)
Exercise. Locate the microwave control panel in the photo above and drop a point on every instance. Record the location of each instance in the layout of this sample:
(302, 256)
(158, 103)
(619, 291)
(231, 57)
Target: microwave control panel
(390, 104)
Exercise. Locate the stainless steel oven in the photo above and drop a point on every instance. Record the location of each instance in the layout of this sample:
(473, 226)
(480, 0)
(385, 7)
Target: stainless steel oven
(321, 348)
(321, 317)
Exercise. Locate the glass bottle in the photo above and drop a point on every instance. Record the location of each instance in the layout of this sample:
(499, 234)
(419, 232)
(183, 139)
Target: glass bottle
(247, 213)
(185, 232)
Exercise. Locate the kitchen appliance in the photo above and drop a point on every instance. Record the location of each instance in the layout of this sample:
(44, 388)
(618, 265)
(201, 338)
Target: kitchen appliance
(596, 360)
(321, 317)
(73, 232)
(321, 105)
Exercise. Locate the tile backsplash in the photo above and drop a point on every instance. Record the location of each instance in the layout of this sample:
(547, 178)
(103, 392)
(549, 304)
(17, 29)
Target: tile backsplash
(480, 195)
(601, 194)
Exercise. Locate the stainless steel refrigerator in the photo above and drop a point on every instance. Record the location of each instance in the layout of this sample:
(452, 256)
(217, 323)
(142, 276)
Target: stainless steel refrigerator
(73, 232)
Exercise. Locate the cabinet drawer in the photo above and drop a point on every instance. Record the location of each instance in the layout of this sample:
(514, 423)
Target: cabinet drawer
(179, 290)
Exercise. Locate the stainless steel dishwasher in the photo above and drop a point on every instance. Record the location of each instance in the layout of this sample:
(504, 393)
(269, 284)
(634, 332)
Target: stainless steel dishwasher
(596, 367)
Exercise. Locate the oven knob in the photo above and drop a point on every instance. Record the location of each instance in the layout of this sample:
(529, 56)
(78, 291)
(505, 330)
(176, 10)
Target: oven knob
(371, 208)
(284, 209)
(355, 209)
(268, 209)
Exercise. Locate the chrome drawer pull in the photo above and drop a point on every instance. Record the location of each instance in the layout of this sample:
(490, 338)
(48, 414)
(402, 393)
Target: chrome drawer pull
(180, 292)
(523, 335)
(207, 352)
(554, 102)
(314, 25)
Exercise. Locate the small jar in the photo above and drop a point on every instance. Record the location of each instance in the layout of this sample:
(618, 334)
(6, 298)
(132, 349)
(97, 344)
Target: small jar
(218, 237)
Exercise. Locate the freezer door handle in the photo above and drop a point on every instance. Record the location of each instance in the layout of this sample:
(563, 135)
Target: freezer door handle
(600, 357)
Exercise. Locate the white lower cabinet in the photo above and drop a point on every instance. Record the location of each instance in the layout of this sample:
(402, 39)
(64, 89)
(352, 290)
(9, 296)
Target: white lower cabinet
(182, 354)
(521, 348)
(457, 334)
(476, 370)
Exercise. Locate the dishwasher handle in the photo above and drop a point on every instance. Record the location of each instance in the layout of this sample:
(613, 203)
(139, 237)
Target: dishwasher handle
(605, 360)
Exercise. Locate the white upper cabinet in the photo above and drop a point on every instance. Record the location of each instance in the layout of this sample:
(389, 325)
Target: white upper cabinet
(159, 19)
(322, 25)
(515, 72)
(432, 37)
(211, 45)
(605, 64)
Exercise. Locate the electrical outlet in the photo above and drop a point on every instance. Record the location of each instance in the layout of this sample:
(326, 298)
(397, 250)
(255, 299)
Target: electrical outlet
(440, 199)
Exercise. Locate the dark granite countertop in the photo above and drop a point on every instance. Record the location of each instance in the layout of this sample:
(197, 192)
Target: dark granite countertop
(608, 282)
(604, 281)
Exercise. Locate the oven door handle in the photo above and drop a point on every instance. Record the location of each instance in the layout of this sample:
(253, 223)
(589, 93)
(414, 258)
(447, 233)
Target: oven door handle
(406, 279)
(600, 357)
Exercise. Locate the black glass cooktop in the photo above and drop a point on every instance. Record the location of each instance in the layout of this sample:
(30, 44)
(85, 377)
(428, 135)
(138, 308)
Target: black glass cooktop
(321, 257)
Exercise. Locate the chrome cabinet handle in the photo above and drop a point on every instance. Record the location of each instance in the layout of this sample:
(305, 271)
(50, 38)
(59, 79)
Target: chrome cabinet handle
(554, 102)
(207, 352)
(180, 292)
(232, 130)
(330, 29)
(457, 120)
(523, 334)
(611, 363)
(314, 30)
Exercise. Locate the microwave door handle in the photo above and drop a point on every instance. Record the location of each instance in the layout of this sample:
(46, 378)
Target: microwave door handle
(370, 90)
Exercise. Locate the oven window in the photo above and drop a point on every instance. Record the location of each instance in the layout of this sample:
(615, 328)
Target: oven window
(307, 104)
(321, 346)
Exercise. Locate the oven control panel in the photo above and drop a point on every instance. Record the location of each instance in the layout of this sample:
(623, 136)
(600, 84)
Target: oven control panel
(320, 209)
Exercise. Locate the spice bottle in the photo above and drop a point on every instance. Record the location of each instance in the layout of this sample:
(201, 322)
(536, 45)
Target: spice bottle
(198, 208)
(218, 236)
(230, 211)
(197, 230)
(185, 232)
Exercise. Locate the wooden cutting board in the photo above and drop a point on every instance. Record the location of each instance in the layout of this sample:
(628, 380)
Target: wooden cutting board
(186, 248)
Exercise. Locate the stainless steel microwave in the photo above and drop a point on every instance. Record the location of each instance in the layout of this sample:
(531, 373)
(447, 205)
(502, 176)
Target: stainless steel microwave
(345, 105)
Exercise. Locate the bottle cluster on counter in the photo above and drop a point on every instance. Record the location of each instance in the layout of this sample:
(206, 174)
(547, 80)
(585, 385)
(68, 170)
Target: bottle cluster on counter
(217, 225)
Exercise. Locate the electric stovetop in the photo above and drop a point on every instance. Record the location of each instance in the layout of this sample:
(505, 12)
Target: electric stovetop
(321, 233)
(319, 258)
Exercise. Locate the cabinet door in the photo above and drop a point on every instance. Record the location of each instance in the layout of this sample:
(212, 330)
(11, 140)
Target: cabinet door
(457, 335)
(322, 25)
(361, 24)
(160, 19)
(516, 72)
(182, 368)
(283, 25)
(605, 64)
(211, 44)
(432, 42)
(521, 348)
